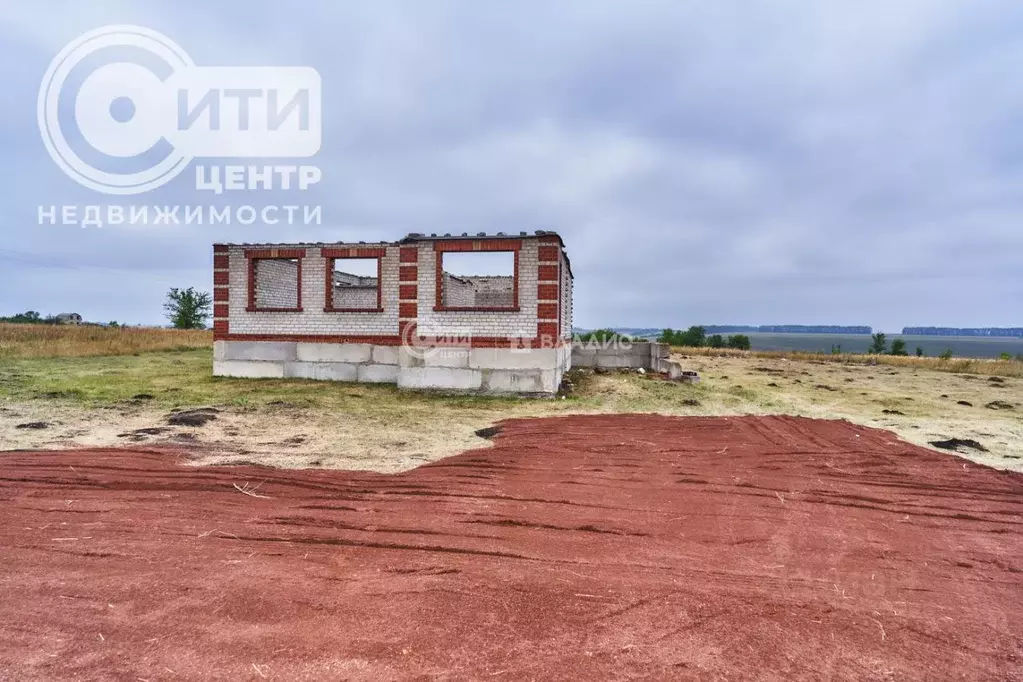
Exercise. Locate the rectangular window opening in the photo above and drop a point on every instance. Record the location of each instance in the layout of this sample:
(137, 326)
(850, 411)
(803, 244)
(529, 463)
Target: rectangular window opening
(276, 284)
(355, 285)
(478, 280)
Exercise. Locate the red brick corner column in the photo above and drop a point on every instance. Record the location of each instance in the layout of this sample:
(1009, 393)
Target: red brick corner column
(221, 290)
(408, 290)
(548, 292)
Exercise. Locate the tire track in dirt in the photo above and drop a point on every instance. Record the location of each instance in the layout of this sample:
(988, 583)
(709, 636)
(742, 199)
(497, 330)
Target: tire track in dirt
(585, 547)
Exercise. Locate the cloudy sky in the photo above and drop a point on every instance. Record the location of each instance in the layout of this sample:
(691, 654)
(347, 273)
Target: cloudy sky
(747, 162)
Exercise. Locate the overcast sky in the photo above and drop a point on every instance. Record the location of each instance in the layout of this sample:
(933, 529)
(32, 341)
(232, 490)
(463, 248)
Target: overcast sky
(746, 162)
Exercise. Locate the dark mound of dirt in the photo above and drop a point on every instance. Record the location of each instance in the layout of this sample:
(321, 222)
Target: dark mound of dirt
(574, 548)
(999, 405)
(196, 417)
(967, 403)
(956, 443)
(33, 425)
(893, 412)
(489, 432)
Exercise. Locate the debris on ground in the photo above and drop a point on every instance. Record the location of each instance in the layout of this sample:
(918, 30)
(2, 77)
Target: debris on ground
(33, 425)
(489, 432)
(999, 405)
(196, 417)
(956, 443)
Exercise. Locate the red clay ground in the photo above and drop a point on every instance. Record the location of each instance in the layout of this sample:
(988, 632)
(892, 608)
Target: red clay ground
(576, 548)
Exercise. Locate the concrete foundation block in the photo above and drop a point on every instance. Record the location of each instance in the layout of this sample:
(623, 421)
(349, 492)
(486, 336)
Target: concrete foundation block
(520, 381)
(517, 358)
(447, 357)
(451, 378)
(324, 371)
(618, 361)
(379, 374)
(334, 352)
(219, 349)
(248, 369)
(411, 357)
(385, 355)
(273, 351)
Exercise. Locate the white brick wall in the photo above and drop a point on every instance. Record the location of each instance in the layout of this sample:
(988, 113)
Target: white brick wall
(501, 324)
(276, 283)
(566, 300)
(312, 320)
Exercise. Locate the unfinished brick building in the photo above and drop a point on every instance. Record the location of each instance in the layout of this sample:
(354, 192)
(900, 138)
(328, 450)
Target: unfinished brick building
(489, 313)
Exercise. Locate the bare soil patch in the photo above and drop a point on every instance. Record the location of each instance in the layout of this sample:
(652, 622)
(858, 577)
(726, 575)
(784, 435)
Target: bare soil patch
(583, 547)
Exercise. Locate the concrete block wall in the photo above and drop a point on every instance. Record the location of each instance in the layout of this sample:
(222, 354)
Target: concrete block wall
(290, 359)
(634, 355)
(487, 370)
(535, 371)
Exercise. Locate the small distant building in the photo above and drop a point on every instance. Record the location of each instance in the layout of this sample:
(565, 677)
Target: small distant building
(397, 312)
(69, 318)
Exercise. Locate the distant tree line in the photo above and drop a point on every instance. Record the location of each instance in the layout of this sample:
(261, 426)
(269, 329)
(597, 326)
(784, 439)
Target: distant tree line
(30, 317)
(964, 331)
(789, 328)
(696, 337)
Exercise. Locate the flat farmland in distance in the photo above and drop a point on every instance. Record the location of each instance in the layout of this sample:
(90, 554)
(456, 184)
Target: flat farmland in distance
(962, 346)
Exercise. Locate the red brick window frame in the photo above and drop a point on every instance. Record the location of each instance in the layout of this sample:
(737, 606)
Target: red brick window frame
(253, 257)
(332, 255)
(470, 245)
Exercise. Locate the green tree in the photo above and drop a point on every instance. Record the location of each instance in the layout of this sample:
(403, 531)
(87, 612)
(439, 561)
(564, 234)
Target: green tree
(188, 308)
(947, 355)
(28, 317)
(898, 347)
(739, 341)
(919, 351)
(695, 336)
(879, 345)
(716, 341)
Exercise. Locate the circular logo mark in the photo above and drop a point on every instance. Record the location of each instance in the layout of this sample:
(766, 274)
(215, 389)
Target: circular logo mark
(120, 111)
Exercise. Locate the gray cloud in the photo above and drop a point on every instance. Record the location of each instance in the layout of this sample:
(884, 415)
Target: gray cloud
(755, 162)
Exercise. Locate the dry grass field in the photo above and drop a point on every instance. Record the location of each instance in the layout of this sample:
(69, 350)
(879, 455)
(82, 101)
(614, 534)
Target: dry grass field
(56, 380)
(72, 341)
(1004, 368)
